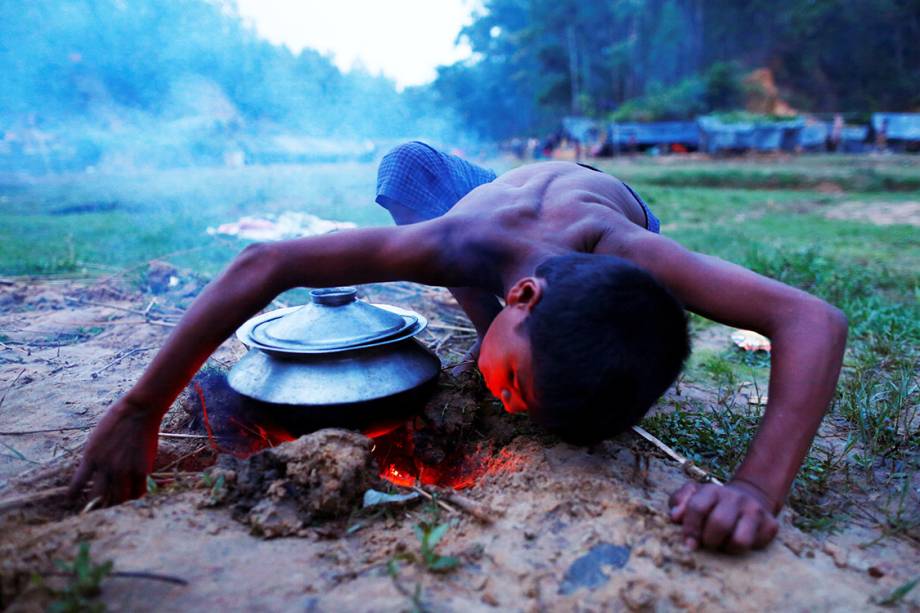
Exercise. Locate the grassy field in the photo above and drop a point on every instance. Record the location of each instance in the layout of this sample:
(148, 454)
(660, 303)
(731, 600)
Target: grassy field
(769, 215)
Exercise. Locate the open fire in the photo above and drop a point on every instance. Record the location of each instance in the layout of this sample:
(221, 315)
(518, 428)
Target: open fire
(234, 428)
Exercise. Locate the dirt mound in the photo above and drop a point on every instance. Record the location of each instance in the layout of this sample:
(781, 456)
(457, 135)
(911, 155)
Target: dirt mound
(279, 491)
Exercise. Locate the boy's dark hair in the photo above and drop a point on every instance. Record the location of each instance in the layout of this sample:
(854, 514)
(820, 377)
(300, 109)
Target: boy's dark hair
(607, 340)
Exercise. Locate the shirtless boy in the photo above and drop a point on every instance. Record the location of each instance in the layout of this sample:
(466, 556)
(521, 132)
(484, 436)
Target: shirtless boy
(592, 331)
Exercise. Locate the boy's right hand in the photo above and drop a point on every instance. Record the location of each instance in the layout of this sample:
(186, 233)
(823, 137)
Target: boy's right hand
(119, 454)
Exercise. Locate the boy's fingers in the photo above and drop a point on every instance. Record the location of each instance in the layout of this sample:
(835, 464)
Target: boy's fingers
(79, 479)
(678, 501)
(138, 486)
(720, 523)
(101, 487)
(697, 508)
(745, 532)
(766, 531)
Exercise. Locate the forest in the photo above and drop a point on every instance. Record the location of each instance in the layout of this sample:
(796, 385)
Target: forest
(535, 60)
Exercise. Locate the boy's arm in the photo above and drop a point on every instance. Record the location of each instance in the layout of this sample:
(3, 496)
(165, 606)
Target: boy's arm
(122, 448)
(808, 338)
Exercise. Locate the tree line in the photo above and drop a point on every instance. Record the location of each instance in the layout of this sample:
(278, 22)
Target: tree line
(535, 60)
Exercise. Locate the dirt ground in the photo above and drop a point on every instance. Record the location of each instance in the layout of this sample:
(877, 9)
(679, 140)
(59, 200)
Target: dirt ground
(572, 529)
(878, 213)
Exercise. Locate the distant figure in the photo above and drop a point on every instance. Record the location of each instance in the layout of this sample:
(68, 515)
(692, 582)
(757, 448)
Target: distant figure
(835, 137)
(590, 333)
(632, 144)
(881, 136)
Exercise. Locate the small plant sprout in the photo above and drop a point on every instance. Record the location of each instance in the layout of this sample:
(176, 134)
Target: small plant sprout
(84, 585)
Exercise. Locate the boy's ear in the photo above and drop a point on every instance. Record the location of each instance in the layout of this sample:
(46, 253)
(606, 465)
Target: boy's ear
(526, 293)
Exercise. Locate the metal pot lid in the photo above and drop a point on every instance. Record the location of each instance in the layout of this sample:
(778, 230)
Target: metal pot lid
(334, 320)
(416, 323)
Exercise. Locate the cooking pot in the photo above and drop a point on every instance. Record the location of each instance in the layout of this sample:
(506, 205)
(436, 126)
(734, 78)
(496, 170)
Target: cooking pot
(335, 361)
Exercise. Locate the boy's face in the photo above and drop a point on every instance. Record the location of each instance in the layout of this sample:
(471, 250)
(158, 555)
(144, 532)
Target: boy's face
(505, 358)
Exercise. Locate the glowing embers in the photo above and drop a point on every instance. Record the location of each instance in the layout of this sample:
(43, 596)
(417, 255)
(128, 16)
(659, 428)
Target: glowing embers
(400, 465)
(445, 446)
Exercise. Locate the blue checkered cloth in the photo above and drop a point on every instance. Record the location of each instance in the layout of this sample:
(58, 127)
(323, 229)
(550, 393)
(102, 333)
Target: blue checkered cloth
(652, 223)
(425, 180)
(429, 182)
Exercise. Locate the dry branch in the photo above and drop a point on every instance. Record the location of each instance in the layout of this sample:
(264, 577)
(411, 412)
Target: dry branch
(465, 504)
(689, 467)
(11, 386)
(45, 430)
(16, 502)
(119, 359)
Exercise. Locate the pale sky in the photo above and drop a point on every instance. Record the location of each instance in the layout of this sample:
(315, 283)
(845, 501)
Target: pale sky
(404, 39)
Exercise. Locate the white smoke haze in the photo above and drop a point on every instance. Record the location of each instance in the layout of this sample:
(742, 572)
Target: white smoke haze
(114, 85)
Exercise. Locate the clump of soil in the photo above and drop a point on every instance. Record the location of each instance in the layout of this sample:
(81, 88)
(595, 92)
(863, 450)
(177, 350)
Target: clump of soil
(279, 491)
(447, 421)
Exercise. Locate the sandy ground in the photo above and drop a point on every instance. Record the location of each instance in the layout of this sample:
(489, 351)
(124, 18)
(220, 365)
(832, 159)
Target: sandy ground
(573, 529)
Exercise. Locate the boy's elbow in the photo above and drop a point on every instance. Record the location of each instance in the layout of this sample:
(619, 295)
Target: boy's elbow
(840, 325)
(833, 321)
(258, 265)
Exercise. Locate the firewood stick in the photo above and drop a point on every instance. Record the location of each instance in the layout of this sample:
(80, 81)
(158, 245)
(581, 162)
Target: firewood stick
(177, 435)
(438, 500)
(468, 505)
(689, 467)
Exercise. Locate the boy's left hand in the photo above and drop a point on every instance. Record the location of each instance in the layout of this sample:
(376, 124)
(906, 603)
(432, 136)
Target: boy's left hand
(735, 517)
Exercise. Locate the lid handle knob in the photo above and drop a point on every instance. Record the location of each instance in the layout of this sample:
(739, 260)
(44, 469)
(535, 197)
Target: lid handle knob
(334, 296)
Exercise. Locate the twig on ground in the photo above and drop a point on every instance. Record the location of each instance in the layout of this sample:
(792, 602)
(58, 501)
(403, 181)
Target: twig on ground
(92, 504)
(16, 502)
(13, 347)
(452, 328)
(45, 430)
(104, 305)
(689, 467)
(179, 460)
(441, 342)
(467, 505)
(157, 322)
(119, 359)
(161, 474)
(11, 386)
(219, 362)
(195, 436)
(128, 574)
(438, 500)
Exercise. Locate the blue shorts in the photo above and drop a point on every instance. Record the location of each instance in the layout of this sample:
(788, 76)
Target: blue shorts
(429, 182)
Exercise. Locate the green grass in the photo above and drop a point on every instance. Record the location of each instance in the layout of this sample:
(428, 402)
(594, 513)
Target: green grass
(850, 173)
(92, 223)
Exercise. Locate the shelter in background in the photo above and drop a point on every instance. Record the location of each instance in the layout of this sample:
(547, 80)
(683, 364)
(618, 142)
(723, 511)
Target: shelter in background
(666, 135)
(901, 130)
(720, 136)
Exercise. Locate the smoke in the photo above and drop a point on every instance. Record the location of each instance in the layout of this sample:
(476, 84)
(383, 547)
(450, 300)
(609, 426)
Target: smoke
(125, 84)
